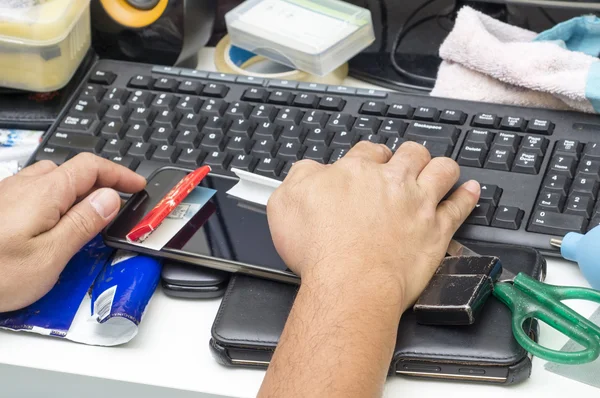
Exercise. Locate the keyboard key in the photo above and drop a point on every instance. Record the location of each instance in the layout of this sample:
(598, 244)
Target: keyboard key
(238, 110)
(216, 124)
(141, 115)
(193, 73)
(241, 127)
(219, 161)
(392, 128)
(267, 130)
(485, 120)
(255, 95)
(190, 87)
(289, 84)
(505, 141)
(118, 112)
(140, 98)
(568, 148)
(314, 119)
(595, 222)
(527, 162)
(168, 70)
(340, 122)
(102, 77)
(164, 101)
(563, 166)
(580, 205)
(513, 123)
(507, 217)
(317, 136)
(165, 84)
(222, 77)
(535, 144)
(375, 108)
(394, 143)
(90, 108)
(551, 201)
(243, 162)
(215, 90)
(425, 113)
(317, 152)
(366, 125)
(77, 142)
(375, 139)
(191, 121)
(591, 168)
(115, 96)
(141, 150)
(81, 125)
(239, 144)
(163, 136)
(292, 133)
(429, 131)
(314, 87)
(540, 126)
(401, 111)
(116, 147)
(264, 148)
(483, 137)
(269, 167)
(452, 117)
(306, 100)
(125, 161)
(551, 223)
(191, 157)
(165, 153)
(213, 142)
(93, 92)
(344, 139)
(288, 116)
(341, 90)
(436, 149)
(557, 182)
(281, 97)
(481, 215)
(263, 113)
(250, 80)
(592, 151)
(166, 118)
(500, 159)
(490, 194)
(337, 155)
(213, 107)
(56, 155)
(367, 92)
(585, 186)
(189, 104)
(138, 133)
(332, 103)
(112, 129)
(141, 81)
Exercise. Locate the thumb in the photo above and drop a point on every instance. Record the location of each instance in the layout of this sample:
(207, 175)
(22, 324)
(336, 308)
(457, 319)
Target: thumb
(83, 222)
(455, 210)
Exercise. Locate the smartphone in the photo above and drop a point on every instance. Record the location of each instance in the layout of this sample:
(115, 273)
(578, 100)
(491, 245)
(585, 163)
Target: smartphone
(190, 281)
(227, 234)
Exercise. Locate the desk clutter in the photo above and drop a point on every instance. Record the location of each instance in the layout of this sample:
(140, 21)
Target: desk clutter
(511, 125)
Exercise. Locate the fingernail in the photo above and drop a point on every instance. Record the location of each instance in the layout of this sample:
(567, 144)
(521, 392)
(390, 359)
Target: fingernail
(105, 201)
(473, 187)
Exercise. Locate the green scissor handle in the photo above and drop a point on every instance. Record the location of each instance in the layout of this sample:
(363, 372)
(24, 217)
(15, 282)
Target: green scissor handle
(528, 298)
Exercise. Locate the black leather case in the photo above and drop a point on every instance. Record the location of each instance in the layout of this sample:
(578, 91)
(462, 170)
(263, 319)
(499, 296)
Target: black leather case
(254, 311)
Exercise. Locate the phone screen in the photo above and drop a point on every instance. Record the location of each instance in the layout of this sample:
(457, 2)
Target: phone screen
(225, 229)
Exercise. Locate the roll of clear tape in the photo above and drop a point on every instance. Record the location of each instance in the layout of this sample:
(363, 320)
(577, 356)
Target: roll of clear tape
(231, 59)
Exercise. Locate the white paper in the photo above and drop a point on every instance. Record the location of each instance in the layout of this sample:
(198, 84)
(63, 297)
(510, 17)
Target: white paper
(253, 187)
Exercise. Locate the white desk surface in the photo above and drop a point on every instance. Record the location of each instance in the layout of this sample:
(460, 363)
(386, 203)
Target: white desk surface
(170, 357)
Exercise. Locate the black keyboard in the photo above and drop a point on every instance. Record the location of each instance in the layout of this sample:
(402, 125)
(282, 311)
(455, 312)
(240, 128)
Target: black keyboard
(539, 169)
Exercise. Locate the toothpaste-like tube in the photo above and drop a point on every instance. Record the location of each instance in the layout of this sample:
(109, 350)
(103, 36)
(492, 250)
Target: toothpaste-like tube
(19, 153)
(12, 138)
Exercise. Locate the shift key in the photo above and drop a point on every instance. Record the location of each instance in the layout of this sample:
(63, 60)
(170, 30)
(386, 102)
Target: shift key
(77, 142)
(550, 223)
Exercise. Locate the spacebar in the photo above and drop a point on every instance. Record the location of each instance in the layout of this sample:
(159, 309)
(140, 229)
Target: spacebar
(546, 222)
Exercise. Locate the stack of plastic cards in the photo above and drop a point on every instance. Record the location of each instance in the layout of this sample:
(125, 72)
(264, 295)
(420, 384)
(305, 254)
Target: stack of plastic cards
(314, 36)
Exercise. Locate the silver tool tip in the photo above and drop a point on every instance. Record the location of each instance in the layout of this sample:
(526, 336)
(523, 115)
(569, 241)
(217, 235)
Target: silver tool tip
(556, 242)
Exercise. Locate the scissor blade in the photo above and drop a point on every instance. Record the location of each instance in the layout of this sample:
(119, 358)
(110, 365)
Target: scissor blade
(455, 249)
(506, 276)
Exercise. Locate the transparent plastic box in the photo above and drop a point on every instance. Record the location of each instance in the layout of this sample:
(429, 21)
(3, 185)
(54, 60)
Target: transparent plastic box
(42, 42)
(314, 36)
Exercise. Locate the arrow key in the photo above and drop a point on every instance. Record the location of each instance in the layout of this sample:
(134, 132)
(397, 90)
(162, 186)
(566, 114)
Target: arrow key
(507, 217)
(490, 194)
(481, 215)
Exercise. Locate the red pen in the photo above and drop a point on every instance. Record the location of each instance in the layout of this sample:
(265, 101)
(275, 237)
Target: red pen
(155, 217)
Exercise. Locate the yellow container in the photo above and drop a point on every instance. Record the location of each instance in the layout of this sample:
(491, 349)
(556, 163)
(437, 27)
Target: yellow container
(42, 42)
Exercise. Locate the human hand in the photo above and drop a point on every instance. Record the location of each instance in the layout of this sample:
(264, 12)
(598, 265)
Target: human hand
(48, 214)
(370, 217)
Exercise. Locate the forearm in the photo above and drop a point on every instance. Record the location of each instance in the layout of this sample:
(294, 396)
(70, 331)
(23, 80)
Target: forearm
(338, 340)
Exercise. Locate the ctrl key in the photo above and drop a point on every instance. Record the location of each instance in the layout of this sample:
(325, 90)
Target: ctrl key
(550, 223)
(56, 155)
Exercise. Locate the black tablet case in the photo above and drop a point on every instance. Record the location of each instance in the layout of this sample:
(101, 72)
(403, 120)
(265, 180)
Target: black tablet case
(254, 311)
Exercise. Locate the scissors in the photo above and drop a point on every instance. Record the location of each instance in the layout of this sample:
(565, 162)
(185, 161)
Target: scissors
(528, 298)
